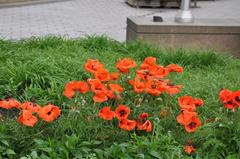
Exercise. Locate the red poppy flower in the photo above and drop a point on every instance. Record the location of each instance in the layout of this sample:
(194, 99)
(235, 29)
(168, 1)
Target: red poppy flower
(26, 118)
(193, 125)
(173, 89)
(114, 76)
(189, 149)
(198, 102)
(93, 65)
(147, 126)
(142, 74)
(116, 88)
(185, 117)
(148, 62)
(143, 116)
(106, 114)
(91, 81)
(125, 64)
(74, 86)
(69, 93)
(158, 72)
(138, 86)
(33, 107)
(154, 87)
(122, 112)
(174, 68)
(236, 98)
(4, 104)
(97, 87)
(103, 75)
(9, 103)
(110, 94)
(49, 113)
(187, 103)
(100, 97)
(230, 104)
(101, 92)
(227, 97)
(127, 125)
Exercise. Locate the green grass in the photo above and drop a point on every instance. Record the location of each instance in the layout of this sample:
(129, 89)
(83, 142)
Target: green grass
(40, 68)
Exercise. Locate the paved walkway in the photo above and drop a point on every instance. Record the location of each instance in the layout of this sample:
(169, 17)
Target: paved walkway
(77, 18)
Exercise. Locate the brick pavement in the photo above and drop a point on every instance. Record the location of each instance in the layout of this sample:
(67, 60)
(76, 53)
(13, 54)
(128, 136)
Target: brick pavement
(77, 18)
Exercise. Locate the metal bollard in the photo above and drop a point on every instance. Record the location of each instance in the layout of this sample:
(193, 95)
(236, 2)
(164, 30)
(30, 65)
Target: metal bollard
(184, 15)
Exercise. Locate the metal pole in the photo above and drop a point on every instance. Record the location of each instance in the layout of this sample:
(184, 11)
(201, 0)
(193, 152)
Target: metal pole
(184, 15)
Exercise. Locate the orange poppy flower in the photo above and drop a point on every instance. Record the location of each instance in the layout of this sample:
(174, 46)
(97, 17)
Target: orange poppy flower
(110, 94)
(148, 62)
(198, 102)
(69, 93)
(174, 68)
(236, 98)
(116, 88)
(122, 112)
(103, 75)
(49, 112)
(26, 118)
(125, 64)
(143, 74)
(187, 103)
(147, 125)
(173, 89)
(193, 125)
(158, 72)
(189, 149)
(74, 86)
(106, 114)
(9, 103)
(114, 76)
(154, 88)
(100, 97)
(101, 92)
(97, 87)
(185, 117)
(92, 66)
(138, 86)
(33, 107)
(230, 104)
(143, 116)
(82, 87)
(91, 81)
(227, 97)
(4, 104)
(127, 125)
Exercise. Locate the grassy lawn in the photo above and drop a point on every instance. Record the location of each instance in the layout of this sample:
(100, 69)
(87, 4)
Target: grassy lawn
(40, 69)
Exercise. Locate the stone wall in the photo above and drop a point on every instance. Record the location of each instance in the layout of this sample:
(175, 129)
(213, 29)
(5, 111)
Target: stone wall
(222, 35)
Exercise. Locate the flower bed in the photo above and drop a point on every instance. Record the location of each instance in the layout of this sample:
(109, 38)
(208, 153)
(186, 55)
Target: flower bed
(97, 98)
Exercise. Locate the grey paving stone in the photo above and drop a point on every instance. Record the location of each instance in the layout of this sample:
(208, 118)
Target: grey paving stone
(78, 18)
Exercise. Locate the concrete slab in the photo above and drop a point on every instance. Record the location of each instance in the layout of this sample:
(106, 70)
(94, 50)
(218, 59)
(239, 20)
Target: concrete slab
(78, 18)
(222, 35)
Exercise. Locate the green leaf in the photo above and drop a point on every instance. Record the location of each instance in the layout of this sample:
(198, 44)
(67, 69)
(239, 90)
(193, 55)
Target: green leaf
(5, 142)
(96, 142)
(46, 149)
(155, 154)
(10, 152)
